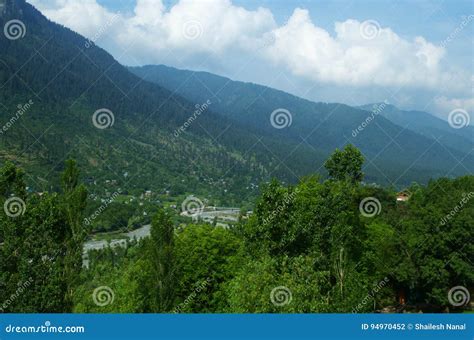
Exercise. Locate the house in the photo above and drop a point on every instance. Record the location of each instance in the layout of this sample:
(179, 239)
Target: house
(403, 196)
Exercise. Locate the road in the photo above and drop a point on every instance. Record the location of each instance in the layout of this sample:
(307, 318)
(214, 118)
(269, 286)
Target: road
(137, 234)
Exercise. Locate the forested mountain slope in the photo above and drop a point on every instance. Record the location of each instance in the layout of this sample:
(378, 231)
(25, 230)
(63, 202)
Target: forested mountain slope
(64, 80)
(187, 134)
(426, 124)
(395, 154)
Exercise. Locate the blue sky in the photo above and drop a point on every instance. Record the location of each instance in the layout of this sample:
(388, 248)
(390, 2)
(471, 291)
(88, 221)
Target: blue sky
(420, 55)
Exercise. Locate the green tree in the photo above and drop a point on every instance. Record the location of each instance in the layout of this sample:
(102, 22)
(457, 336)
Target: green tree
(346, 164)
(209, 257)
(41, 251)
(433, 230)
(288, 285)
(12, 231)
(162, 262)
(75, 197)
(43, 257)
(271, 228)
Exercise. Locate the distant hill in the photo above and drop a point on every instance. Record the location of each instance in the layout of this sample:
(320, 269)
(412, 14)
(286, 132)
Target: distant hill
(67, 81)
(429, 126)
(395, 154)
(53, 81)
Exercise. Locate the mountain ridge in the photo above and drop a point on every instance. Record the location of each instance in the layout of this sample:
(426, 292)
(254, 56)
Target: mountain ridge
(69, 81)
(429, 125)
(220, 154)
(252, 104)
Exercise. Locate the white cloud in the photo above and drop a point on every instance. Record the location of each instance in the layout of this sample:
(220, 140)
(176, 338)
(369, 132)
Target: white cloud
(350, 57)
(357, 54)
(85, 17)
(446, 105)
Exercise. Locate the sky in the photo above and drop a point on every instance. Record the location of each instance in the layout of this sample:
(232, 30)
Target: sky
(417, 55)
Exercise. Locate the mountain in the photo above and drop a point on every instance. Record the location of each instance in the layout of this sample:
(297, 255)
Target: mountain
(429, 126)
(166, 134)
(395, 155)
(53, 81)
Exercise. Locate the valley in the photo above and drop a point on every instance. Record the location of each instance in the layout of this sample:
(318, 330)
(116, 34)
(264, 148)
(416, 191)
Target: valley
(148, 181)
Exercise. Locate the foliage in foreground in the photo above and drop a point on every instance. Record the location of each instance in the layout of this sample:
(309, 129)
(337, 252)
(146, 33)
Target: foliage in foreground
(312, 247)
(309, 248)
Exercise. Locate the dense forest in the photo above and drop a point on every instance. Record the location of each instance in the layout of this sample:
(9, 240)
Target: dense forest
(54, 81)
(50, 93)
(322, 245)
(315, 233)
(325, 126)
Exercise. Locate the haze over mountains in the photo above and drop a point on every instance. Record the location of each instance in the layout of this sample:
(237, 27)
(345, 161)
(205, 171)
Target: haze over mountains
(229, 147)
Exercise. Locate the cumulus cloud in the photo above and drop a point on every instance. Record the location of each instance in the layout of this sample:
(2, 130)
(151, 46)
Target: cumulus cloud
(354, 56)
(447, 105)
(357, 54)
(85, 17)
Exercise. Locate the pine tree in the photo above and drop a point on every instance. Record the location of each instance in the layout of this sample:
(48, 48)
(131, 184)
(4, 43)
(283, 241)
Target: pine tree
(75, 197)
(13, 205)
(162, 262)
